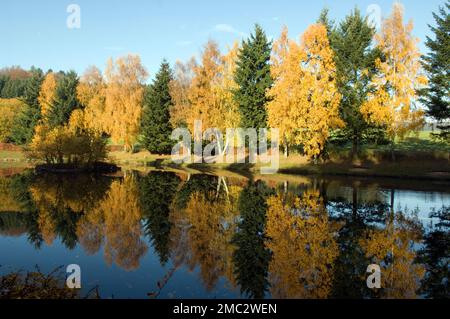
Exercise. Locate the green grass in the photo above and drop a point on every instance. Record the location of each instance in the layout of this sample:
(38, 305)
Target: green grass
(6, 156)
(415, 157)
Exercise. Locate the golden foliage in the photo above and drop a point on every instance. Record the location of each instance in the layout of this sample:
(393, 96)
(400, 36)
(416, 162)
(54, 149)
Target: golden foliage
(9, 109)
(7, 200)
(122, 215)
(305, 98)
(91, 94)
(47, 94)
(63, 144)
(90, 231)
(207, 241)
(303, 245)
(226, 114)
(204, 91)
(392, 103)
(124, 94)
(392, 249)
(202, 95)
(179, 91)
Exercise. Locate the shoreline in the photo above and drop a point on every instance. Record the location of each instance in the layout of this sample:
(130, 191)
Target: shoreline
(403, 169)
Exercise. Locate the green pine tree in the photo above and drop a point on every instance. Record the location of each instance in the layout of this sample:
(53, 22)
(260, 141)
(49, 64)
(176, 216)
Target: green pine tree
(253, 79)
(326, 21)
(23, 129)
(437, 64)
(155, 127)
(251, 257)
(352, 41)
(157, 192)
(66, 100)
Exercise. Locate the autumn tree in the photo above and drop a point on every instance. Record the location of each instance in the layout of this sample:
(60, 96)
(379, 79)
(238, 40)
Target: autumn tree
(91, 94)
(355, 62)
(205, 217)
(211, 97)
(226, 113)
(64, 145)
(213, 216)
(156, 128)
(392, 101)
(124, 95)
(122, 213)
(47, 95)
(303, 244)
(10, 109)
(179, 91)
(436, 96)
(305, 99)
(253, 79)
(202, 95)
(392, 248)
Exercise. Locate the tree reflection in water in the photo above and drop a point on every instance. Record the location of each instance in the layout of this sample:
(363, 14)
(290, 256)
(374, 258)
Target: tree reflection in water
(303, 243)
(289, 241)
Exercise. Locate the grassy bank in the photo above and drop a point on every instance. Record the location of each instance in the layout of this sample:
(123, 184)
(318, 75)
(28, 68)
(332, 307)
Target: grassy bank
(416, 157)
(416, 166)
(13, 159)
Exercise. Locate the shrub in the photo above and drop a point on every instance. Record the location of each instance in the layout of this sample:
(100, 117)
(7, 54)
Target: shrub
(62, 145)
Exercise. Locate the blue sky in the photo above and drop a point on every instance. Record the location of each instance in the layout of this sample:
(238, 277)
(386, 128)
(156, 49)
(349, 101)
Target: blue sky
(35, 32)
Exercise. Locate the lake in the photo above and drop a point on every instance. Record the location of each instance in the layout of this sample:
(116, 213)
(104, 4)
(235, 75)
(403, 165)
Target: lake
(164, 234)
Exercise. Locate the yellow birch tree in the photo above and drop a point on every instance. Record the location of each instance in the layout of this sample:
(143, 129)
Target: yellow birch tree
(303, 244)
(202, 94)
(179, 91)
(305, 99)
(124, 94)
(47, 94)
(91, 94)
(399, 76)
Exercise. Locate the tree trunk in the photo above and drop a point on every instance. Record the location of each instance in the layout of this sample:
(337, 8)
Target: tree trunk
(393, 150)
(286, 148)
(355, 145)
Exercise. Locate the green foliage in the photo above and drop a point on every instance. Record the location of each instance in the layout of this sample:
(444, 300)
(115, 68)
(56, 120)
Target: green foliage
(325, 20)
(355, 63)
(155, 127)
(13, 82)
(157, 191)
(434, 255)
(251, 257)
(65, 101)
(12, 88)
(356, 216)
(253, 78)
(23, 129)
(437, 65)
(204, 184)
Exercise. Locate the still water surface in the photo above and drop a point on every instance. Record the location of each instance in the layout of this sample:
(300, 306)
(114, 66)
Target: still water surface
(174, 235)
